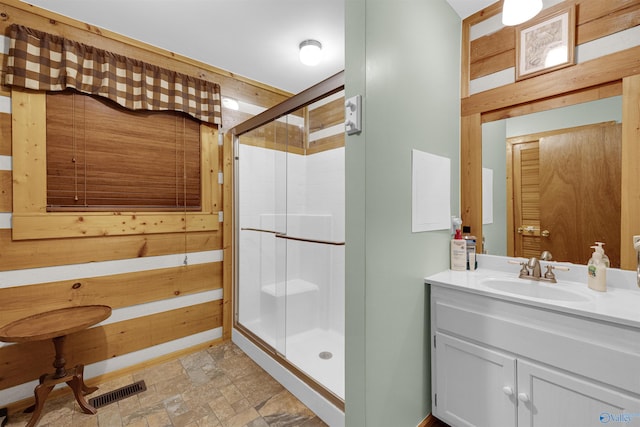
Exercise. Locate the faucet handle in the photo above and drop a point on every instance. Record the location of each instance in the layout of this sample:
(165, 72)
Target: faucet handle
(549, 275)
(524, 271)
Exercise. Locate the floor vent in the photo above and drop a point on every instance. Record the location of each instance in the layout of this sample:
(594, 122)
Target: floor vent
(119, 394)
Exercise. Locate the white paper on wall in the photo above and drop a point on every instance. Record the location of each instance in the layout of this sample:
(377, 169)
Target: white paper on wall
(431, 192)
(487, 196)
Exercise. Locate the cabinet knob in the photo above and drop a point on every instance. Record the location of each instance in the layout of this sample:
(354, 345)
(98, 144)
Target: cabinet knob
(507, 390)
(545, 233)
(523, 397)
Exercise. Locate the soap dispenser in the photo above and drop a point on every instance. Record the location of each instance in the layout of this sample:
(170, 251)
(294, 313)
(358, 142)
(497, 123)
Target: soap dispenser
(597, 269)
(605, 258)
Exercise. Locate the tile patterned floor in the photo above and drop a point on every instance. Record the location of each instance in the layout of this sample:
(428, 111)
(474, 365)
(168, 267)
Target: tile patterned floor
(219, 386)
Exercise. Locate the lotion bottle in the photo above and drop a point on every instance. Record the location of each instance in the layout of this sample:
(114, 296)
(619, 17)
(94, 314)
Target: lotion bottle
(597, 270)
(458, 252)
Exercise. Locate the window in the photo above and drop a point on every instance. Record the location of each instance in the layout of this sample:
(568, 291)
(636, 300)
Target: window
(31, 218)
(101, 156)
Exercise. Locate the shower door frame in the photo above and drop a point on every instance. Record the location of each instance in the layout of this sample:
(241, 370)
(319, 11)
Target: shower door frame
(315, 93)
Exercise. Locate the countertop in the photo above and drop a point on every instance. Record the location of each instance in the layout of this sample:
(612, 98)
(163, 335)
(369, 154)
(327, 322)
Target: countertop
(619, 304)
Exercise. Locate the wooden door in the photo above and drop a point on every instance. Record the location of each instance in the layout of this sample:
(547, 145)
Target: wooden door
(564, 193)
(526, 199)
(580, 182)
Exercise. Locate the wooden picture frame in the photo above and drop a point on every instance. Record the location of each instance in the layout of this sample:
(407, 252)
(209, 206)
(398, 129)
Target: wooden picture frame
(545, 43)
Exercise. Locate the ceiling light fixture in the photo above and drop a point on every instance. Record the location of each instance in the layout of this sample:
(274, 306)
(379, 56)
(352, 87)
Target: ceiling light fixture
(310, 52)
(515, 12)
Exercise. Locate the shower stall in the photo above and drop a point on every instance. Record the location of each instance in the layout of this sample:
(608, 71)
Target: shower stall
(289, 237)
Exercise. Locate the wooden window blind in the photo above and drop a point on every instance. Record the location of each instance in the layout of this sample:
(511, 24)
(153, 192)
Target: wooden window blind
(101, 156)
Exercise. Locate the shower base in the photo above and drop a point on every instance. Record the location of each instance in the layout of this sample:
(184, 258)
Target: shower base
(304, 351)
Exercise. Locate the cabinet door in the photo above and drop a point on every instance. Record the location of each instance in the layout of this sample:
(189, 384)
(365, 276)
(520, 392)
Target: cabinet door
(550, 398)
(475, 386)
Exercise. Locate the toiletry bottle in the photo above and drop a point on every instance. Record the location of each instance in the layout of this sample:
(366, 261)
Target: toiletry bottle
(470, 240)
(605, 258)
(458, 252)
(597, 270)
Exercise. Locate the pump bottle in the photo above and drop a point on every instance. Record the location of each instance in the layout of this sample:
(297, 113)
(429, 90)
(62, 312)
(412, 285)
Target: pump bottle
(597, 269)
(458, 252)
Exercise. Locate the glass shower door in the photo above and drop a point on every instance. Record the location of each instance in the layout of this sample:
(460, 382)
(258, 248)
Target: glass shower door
(290, 283)
(262, 180)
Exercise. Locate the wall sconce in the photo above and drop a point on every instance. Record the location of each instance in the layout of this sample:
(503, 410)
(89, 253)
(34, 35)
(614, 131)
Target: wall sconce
(310, 52)
(516, 12)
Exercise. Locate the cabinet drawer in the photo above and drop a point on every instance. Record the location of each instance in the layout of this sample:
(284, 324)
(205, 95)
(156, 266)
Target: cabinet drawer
(603, 351)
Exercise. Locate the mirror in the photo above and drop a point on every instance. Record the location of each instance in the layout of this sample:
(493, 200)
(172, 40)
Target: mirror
(498, 194)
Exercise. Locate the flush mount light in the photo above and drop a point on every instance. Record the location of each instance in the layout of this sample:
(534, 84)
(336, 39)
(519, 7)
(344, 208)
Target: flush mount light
(515, 12)
(310, 52)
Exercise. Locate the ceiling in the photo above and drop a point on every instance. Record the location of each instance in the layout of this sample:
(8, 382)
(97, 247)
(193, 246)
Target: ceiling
(267, 33)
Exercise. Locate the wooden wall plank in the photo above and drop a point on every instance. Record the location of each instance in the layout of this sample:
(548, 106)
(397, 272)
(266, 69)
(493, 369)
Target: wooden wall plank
(227, 227)
(581, 76)
(630, 203)
(27, 361)
(209, 167)
(606, 90)
(5, 134)
(73, 224)
(324, 144)
(594, 19)
(326, 115)
(29, 152)
(471, 176)
(116, 291)
(610, 23)
(590, 10)
(503, 40)
(6, 191)
(17, 255)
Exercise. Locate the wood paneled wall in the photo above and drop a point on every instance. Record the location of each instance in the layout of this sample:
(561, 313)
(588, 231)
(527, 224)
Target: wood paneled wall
(610, 71)
(322, 125)
(156, 298)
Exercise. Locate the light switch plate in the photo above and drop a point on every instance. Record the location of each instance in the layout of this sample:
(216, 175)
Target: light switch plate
(353, 115)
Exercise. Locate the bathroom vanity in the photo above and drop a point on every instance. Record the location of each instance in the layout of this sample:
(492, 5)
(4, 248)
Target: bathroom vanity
(516, 352)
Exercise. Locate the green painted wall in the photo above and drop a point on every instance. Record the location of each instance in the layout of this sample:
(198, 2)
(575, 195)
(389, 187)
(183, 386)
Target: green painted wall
(403, 57)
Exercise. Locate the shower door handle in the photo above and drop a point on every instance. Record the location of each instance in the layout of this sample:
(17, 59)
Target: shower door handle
(302, 239)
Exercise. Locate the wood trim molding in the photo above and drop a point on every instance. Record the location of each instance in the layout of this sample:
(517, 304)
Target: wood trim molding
(431, 421)
(630, 201)
(588, 74)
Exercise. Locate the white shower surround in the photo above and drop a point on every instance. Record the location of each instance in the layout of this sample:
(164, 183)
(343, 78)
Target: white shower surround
(314, 202)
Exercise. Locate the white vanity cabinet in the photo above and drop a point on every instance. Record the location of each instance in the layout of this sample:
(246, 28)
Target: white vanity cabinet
(498, 363)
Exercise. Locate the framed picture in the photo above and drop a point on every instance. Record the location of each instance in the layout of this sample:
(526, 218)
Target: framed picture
(545, 43)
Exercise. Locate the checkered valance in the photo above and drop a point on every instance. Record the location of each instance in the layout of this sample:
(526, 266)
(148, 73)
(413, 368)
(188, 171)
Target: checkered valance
(42, 61)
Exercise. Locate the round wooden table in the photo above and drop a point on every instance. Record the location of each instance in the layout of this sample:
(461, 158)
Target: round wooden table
(56, 325)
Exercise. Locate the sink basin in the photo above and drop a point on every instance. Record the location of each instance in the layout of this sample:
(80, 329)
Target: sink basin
(533, 289)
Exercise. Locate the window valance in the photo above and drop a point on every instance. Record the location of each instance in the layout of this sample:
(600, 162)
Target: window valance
(46, 62)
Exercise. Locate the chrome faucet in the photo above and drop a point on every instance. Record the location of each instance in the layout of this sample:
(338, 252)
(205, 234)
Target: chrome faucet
(532, 269)
(534, 266)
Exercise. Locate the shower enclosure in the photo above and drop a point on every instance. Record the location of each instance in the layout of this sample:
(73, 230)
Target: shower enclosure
(289, 229)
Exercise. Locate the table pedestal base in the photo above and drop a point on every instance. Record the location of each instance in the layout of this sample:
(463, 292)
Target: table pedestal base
(74, 379)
